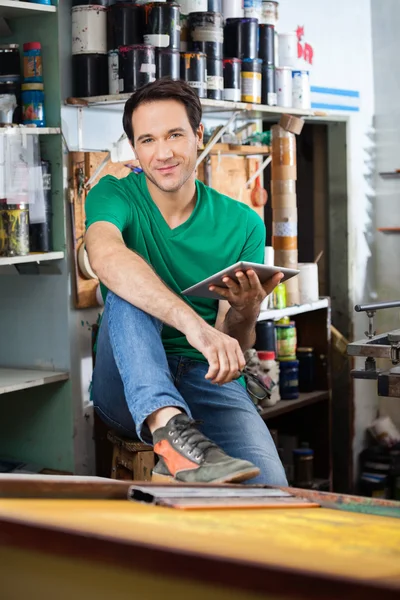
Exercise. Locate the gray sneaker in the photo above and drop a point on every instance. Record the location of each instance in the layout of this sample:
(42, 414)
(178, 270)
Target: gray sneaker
(186, 455)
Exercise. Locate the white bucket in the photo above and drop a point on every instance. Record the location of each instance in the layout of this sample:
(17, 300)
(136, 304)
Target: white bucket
(288, 49)
(89, 29)
(269, 13)
(308, 283)
(284, 89)
(301, 89)
(232, 9)
(188, 6)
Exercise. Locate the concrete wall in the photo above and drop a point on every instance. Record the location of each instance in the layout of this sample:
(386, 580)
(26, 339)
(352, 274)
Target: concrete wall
(386, 60)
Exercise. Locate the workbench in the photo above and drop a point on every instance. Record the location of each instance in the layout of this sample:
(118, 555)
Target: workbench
(93, 549)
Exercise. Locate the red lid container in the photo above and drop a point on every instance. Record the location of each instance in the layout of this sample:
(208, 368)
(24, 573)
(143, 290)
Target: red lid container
(32, 46)
(266, 355)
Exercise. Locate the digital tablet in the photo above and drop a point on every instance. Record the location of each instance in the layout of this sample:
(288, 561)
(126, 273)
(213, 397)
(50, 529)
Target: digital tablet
(264, 273)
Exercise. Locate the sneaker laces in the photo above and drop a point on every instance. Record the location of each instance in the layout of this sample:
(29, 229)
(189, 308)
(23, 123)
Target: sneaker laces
(191, 436)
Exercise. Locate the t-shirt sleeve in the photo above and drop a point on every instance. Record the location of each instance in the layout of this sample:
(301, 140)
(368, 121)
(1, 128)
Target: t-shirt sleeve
(253, 249)
(107, 202)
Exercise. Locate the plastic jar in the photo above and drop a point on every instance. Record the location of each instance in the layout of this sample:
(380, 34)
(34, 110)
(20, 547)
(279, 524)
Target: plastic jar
(270, 376)
(33, 104)
(33, 72)
(305, 356)
(303, 459)
(14, 229)
(289, 379)
(286, 341)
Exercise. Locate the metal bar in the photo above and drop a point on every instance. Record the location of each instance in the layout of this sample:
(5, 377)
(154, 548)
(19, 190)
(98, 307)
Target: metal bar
(216, 139)
(377, 306)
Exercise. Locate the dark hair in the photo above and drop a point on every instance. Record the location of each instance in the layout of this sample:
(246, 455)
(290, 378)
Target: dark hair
(163, 89)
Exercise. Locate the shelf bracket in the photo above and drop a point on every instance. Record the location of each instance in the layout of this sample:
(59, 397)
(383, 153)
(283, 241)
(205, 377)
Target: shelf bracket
(217, 137)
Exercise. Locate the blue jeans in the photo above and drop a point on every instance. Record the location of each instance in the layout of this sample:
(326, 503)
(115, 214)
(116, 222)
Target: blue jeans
(133, 377)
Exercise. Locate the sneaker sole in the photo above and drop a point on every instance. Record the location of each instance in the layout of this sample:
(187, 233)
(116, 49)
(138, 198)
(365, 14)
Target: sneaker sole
(234, 478)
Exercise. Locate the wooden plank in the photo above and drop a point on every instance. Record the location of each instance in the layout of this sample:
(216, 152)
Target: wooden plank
(287, 406)
(12, 380)
(240, 150)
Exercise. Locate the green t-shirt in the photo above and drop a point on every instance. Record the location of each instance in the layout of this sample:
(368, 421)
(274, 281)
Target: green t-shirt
(219, 232)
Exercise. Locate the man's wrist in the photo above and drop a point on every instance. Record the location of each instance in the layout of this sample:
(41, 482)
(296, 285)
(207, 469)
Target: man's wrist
(244, 316)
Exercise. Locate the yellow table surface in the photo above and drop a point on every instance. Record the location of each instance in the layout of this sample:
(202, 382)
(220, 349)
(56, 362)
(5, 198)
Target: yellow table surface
(316, 540)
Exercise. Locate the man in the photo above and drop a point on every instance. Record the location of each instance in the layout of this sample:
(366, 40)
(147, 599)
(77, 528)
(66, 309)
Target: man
(163, 359)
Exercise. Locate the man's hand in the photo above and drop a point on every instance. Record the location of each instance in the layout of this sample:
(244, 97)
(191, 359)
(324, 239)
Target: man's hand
(223, 353)
(246, 296)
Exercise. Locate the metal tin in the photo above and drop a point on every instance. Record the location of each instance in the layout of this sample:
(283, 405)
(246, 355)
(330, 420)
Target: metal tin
(9, 60)
(252, 9)
(124, 25)
(14, 229)
(251, 80)
(168, 63)
(215, 79)
(232, 71)
(266, 50)
(89, 30)
(268, 86)
(288, 49)
(269, 12)
(241, 38)
(283, 76)
(33, 104)
(194, 71)
(113, 72)
(90, 75)
(188, 6)
(232, 9)
(137, 67)
(301, 93)
(206, 33)
(162, 23)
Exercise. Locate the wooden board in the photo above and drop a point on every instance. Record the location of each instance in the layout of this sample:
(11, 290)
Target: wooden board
(315, 544)
(82, 165)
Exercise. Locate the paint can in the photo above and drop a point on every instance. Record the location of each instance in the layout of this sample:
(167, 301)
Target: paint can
(124, 25)
(214, 6)
(251, 80)
(189, 6)
(269, 12)
(10, 63)
(113, 72)
(168, 63)
(301, 89)
(137, 67)
(268, 86)
(288, 49)
(194, 71)
(14, 227)
(184, 33)
(284, 86)
(232, 9)
(162, 25)
(266, 50)
(241, 38)
(252, 9)
(40, 230)
(90, 75)
(89, 29)
(215, 79)
(206, 33)
(232, 72)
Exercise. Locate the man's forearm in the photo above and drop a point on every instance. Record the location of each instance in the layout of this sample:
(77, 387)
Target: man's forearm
(242, 328)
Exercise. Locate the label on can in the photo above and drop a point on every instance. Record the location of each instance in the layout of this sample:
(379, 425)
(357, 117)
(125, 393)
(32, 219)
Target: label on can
(188, 6)
(33, 112)
(285, 229)
(272, 99)
(113, 72)
(286, 341)
(232, 95)
(33, 68)
(159, 40)
(284, 86)
(301, 89)
(147, 68)
(196, 84)
(251, 87)
(252, 9)
(215, 82)
(269, 13)
(208, 34)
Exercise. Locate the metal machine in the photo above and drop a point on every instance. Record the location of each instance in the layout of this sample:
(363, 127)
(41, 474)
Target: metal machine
(385, 345)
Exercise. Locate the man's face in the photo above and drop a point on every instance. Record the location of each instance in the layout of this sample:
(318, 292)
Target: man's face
(165, 144)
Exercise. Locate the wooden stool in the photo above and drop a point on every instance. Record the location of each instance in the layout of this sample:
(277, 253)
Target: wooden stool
(130, 460)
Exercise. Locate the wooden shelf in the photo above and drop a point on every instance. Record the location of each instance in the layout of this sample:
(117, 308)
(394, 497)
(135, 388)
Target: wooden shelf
(291, 311)
(30, 130)
(389, 229)
(390, 175)
(30, 258)
(14, 9)
(13, 380)
(286, 406)
(239, 150)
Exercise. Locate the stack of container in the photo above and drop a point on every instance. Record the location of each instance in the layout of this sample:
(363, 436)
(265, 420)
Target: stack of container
(284, 206)
(241, 44)
(10, 84)
(267, 42)
(293, 84)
